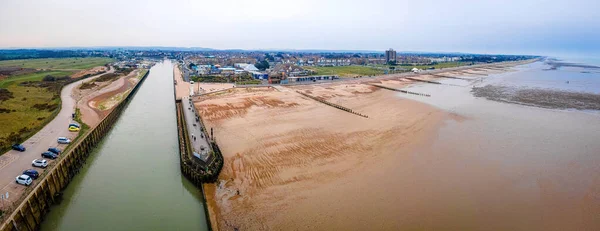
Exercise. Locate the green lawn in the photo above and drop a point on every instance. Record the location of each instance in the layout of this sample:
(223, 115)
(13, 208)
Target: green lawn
(57, 63)
(347, 71)
(38, 76)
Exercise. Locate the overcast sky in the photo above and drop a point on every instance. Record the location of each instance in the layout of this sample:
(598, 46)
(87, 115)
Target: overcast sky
(481, 26)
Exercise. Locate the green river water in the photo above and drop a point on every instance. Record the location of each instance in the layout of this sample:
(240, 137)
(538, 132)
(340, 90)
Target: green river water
(132, 180)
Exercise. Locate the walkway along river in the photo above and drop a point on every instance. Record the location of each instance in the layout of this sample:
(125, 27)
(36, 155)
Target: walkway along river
(132, 180)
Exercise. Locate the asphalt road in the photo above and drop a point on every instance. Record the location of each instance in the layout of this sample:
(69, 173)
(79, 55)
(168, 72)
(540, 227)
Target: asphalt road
(13, 163)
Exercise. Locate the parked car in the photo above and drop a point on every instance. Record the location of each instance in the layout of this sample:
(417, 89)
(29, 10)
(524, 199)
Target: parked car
(18, 147)
(73, 129)
(24, 180)
(74, 125)
(32, 173)
(49, 155)
(40, 163)
(63, 140)
(54, 150)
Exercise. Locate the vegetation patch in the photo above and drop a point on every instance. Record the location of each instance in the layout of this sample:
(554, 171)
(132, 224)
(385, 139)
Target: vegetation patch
(249, 82)
(84, 127)
(123, 71)
(347, 71)
(87, 85)
(210, 79)
(107, 77)
(57, 63)
(5, 94)
(112, 101)
(30, 95)
(48, 107)
(50, 78)
(141, 73)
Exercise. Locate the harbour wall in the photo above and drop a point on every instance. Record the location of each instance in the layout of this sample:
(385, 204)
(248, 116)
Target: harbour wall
(28, 215)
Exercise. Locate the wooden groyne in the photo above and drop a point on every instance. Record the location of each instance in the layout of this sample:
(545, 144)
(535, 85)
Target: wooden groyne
(421, 80)
(333, 105)
(471, 73)
(400, 90)
(449, 77)
(36, 201)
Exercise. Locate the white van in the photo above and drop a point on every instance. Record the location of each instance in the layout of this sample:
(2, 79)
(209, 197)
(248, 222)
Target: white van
(191, 82)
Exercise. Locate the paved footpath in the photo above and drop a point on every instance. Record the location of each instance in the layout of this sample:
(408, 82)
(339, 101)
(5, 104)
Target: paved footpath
(194, 128)
(12, 163)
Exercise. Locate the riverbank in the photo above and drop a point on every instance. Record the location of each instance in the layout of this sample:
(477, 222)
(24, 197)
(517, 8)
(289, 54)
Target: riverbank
(294, 163)
(28, 209)
(100, 98)
(159, 198)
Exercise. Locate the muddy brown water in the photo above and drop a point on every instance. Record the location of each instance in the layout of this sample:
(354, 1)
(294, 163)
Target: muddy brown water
(507, 166)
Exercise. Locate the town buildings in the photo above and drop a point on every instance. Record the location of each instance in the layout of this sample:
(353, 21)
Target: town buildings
(390, 55)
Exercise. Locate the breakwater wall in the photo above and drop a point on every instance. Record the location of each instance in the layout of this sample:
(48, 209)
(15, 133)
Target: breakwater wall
(36, 201)
(333, 105)
(191, 167)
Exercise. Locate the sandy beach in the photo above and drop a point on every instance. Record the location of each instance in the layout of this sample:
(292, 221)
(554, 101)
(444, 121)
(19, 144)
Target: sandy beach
(292, 163)
(307, 150)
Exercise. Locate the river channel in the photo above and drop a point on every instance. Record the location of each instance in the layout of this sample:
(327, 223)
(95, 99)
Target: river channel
(132, 179)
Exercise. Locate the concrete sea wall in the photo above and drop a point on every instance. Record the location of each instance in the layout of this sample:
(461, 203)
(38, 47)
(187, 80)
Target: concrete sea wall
(29, 214)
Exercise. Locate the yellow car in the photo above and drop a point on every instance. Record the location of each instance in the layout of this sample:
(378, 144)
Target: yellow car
(73, 129)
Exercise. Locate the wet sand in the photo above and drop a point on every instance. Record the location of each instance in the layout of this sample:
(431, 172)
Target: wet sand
(446, 162)
(290, 156)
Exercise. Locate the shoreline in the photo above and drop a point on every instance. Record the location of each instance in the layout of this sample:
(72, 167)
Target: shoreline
(244, 198)
(217, 189)
(221, 197)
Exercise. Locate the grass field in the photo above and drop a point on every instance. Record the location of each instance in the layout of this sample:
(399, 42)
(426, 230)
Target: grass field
(347, 71)
(23, 118)
(58, 63)
(31, 107)
(32, 77)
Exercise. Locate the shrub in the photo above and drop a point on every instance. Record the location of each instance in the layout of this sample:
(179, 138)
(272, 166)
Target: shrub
(49, 78)
(87, 85)
(107, 77)
(5, 94)
(45, 106)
